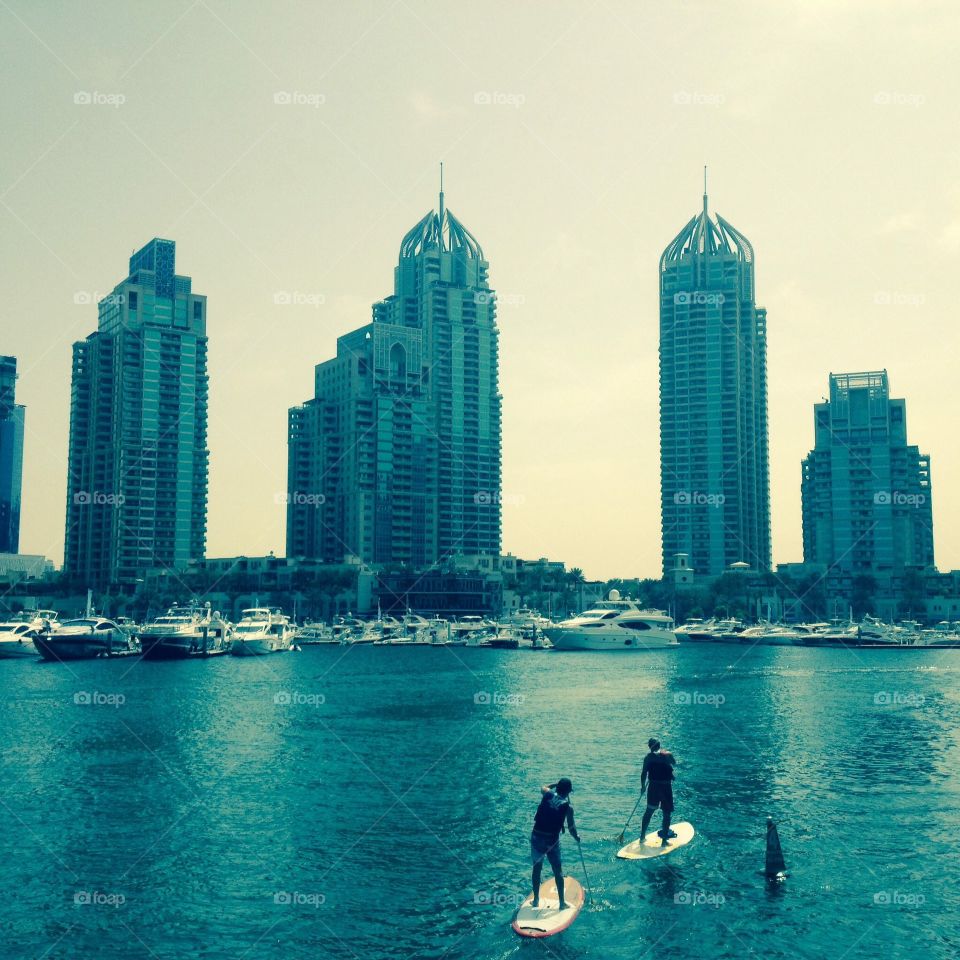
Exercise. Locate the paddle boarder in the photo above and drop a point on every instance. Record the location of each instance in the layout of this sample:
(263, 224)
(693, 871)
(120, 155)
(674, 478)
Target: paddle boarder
(554, 814)
(658, 768)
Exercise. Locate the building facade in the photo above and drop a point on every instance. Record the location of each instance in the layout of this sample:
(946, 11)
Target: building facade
(714, 465)
(12, 419)
(137, 462)
(866, 492)
(396, 458)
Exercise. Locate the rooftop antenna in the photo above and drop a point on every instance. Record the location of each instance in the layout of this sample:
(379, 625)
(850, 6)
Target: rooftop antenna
(441, 204)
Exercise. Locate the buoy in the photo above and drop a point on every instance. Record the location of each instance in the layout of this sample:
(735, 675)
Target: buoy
(776, 867)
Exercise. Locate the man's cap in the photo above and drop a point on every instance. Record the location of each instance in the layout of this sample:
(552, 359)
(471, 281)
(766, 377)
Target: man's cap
(564, 785)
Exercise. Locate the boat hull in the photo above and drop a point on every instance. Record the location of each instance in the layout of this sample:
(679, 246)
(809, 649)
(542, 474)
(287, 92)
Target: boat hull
(258, 647)
(613, 640)
(181, 646)
(18, 649)
(78, 648)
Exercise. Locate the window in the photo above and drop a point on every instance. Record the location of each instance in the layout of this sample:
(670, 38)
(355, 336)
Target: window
(132, 300)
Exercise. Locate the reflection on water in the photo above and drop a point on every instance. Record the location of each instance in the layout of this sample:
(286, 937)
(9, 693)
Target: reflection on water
(378, 803)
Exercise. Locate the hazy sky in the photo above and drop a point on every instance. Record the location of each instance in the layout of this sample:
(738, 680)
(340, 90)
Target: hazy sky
(573, 136)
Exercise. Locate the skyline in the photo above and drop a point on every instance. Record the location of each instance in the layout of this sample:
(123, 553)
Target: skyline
(573, 212)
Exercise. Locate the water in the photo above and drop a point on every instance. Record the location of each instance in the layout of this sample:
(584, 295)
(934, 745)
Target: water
(381, 808)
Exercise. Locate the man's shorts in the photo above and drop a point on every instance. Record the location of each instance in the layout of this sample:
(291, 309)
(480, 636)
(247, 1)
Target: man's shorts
(660, 795)
(542, 846)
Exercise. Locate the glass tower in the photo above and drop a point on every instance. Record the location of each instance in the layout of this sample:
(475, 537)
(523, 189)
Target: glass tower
(12, 418)
(396, 459)
(714, 471)
(137, 473)
(867, 504)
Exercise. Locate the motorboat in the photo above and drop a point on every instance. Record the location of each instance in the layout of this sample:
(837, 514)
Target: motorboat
(614, 624)
(185, 630)
(16, 640)
(85, 638)
(313, 634)
(261, 630)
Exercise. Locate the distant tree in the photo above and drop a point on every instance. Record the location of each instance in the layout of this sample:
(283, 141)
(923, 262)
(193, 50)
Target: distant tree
(862, 595)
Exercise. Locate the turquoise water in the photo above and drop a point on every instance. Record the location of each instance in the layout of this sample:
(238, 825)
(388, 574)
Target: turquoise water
(376, 802)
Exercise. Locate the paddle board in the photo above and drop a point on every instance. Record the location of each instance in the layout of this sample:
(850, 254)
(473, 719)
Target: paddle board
(652, 846)
(546, 920)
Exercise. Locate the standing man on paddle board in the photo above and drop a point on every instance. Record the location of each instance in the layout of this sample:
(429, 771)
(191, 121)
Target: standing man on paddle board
(658, 767)
(554, 812)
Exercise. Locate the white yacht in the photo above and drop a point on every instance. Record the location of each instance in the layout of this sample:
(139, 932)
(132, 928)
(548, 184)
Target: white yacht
(614, 624)
(316, 633)
(188, 630)
(16, 640)
(261, 630)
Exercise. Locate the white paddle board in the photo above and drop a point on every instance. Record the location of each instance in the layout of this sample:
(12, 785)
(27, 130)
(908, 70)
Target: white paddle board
(652, 845)
(547, 919)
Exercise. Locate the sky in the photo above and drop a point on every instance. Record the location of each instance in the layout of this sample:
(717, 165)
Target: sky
(288, 147)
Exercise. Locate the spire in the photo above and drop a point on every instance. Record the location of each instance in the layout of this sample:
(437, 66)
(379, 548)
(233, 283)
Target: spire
(705, 215)
(441, 204)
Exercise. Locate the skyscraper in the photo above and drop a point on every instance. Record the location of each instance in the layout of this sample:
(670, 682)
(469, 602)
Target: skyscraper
(137, 474)
(12, 417)
(867, 506)
(396, 459)
(714, 471)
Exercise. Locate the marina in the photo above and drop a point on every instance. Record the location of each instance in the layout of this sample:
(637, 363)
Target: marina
(315, 748)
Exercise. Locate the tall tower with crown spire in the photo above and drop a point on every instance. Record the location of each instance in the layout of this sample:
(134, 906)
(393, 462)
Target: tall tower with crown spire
(714, 470)
(396, 459)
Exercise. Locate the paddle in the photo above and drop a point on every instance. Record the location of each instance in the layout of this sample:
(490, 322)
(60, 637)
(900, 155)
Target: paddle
(632, 812)
(583, 864)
